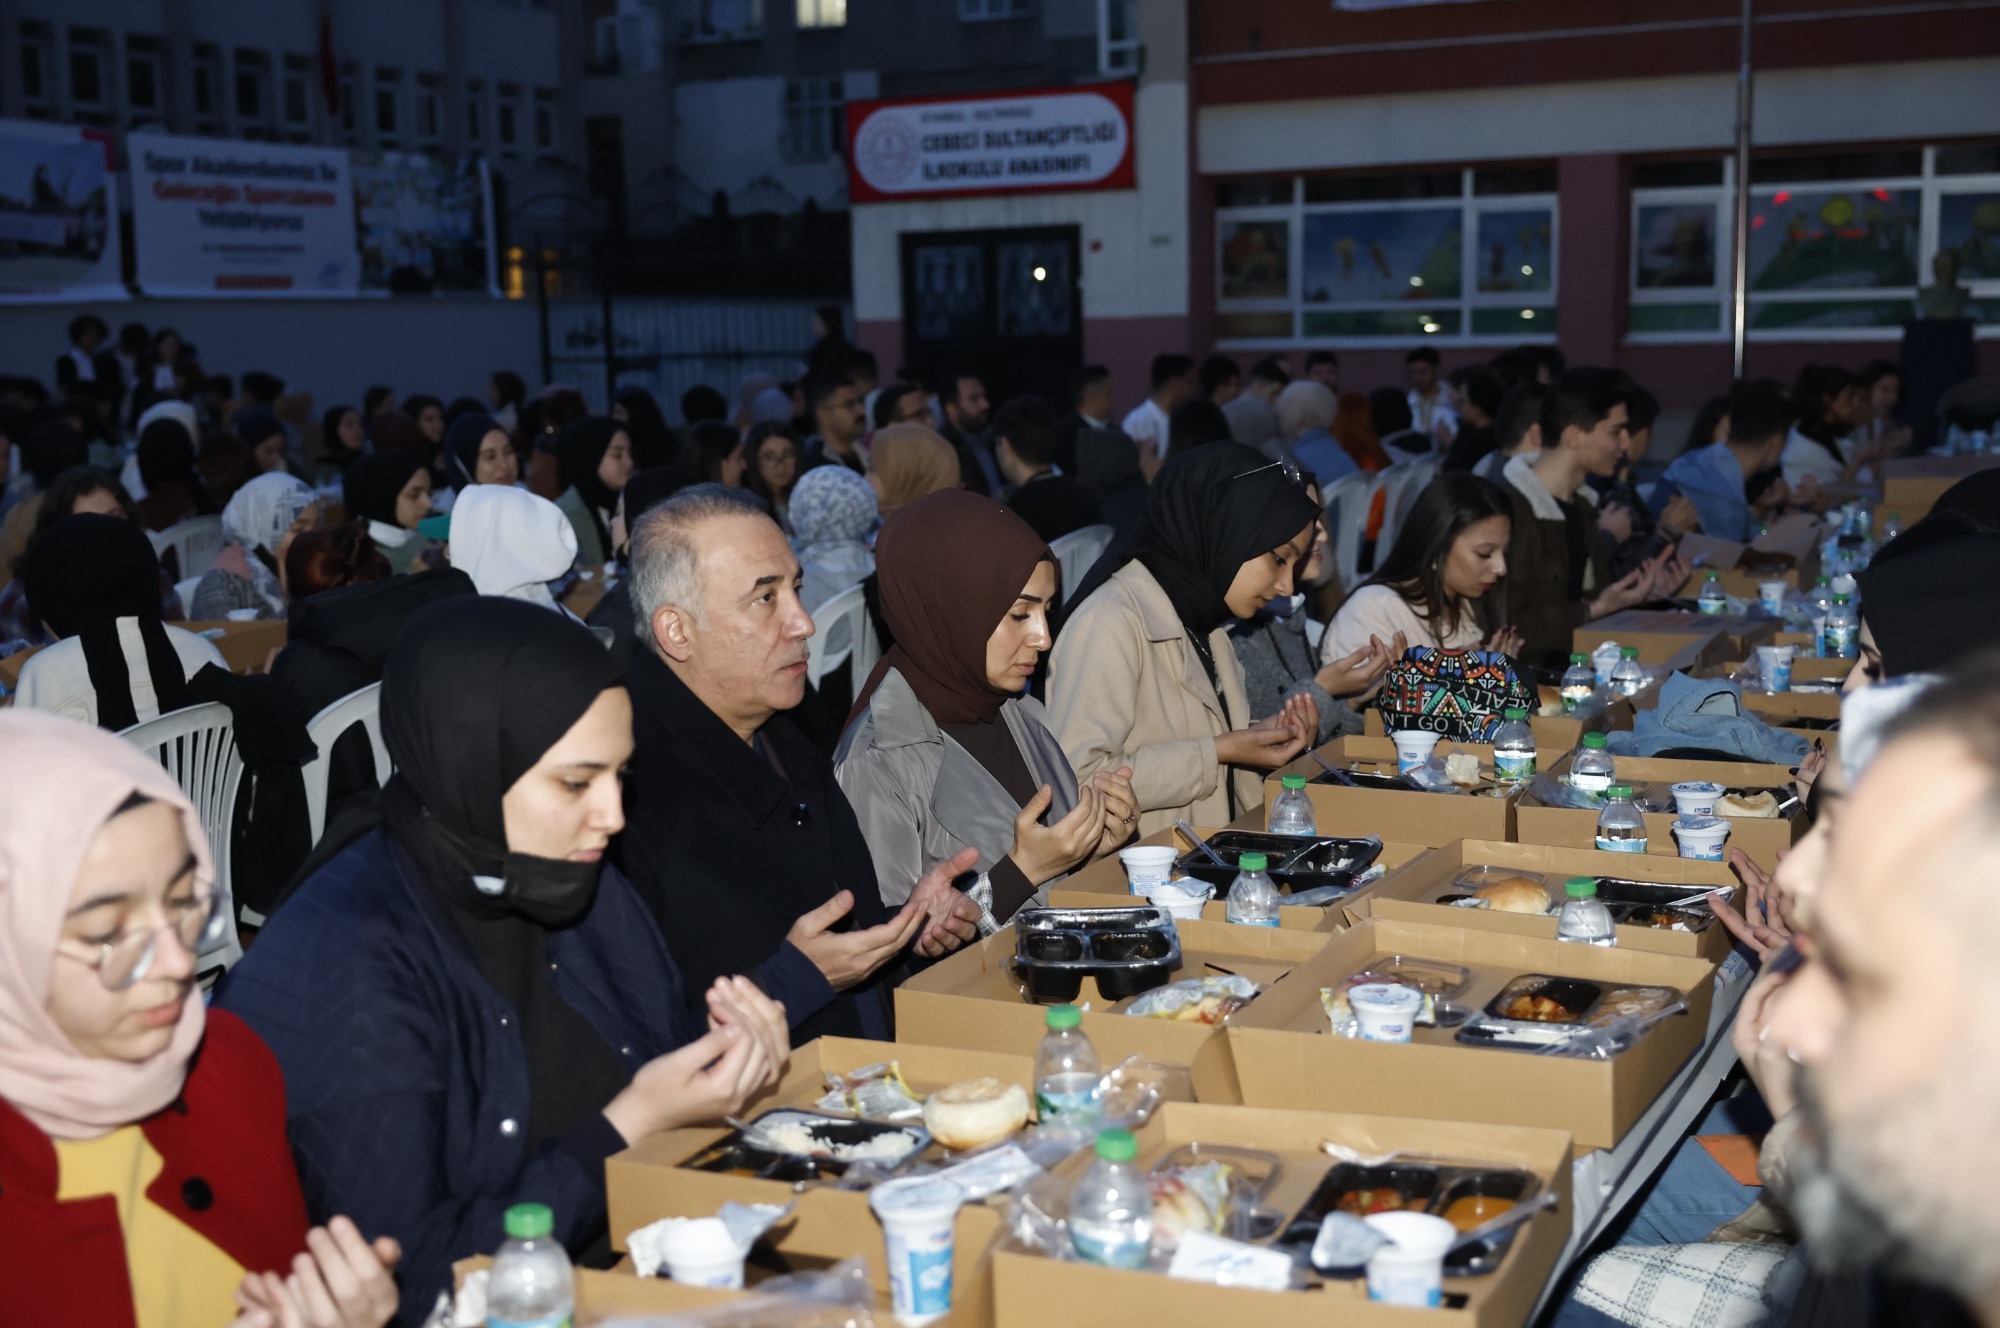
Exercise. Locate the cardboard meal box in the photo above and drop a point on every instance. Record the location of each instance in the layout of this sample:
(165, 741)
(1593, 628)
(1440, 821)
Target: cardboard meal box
(973, 1000)
(606, 1293)
(1411, 895)
(1676, 639)
(1405, 816)
(1911, 486)
(1776, 707)
(1285, 1055)
(647, 1181)
(1032, 1291)
(1762, 839)
(1788, 551)
(1103, 882)
(245, 646)
(1553, 732)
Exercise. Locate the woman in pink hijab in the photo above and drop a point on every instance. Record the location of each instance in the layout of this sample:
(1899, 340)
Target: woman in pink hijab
(145, 1176)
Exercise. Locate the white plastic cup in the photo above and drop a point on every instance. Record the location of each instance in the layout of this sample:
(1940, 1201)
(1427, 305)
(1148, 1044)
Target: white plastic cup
(1385, 1011)
(241, 615)
(1411, 1270)
(1181, 899)
(1696, 797)
(1775, 664)
(1148, 865)
(1604, 659)
(1701, 836)
(918, 1217)
(700, 1252)
(1413, 748)
(1771, 594)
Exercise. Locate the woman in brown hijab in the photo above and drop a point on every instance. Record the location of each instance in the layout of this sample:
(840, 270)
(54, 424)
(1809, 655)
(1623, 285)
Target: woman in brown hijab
(907, 461)
(945, 749)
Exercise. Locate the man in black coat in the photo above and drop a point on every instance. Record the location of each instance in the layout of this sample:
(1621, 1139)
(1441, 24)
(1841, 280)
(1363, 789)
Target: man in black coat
(1024, 433)
(736, 835)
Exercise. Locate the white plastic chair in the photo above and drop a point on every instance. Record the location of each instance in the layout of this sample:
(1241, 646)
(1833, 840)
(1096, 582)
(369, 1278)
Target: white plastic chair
(1347, 500)
(185, 589)
(194, 543)
(845, 633)
(1077, 552)
(1401, 483)
(197, 746)
(363, 707)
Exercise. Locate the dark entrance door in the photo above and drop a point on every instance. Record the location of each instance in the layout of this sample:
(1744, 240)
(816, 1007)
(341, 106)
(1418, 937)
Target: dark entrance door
(1005, 304)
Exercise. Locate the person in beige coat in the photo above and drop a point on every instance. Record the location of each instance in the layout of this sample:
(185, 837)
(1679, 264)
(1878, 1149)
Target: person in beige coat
(1143, 674)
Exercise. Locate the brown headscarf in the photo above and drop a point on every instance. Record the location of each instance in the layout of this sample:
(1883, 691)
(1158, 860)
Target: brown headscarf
(909, 461)
(950, 566)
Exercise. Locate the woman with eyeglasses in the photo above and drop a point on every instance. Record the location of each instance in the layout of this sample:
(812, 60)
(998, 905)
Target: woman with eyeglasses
(145, 1177)
(1143, 674)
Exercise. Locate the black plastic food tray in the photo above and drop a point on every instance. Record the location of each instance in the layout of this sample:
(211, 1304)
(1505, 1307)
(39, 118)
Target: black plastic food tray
(1323, 860)
(1425, 1187)
(1128, 951)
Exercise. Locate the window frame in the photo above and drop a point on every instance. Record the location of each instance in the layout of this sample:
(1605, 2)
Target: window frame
(95, 44)
(751, 29)
(386, 79)
(820, 21)
(427, 110)
(543, 113)
(1119, 56)
(822, 102)
(150, 52)
(262, 121)
(210, 71)
(507, 118)
(37, 38)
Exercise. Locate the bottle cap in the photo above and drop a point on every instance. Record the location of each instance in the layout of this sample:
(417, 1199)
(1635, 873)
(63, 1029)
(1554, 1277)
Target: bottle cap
(1293, 783)
(1579, 659)
(1840, 599)
(530, 1221)
(1619, 791)
(1252, 862)
(1594, 741)
(1581, 887)
(1516, 712)
(1629, 652)
(1064, 1016)
(1117, 1145)
(1822, 581)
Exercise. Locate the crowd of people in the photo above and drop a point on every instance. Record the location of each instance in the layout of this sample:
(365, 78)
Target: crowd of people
(626, 862)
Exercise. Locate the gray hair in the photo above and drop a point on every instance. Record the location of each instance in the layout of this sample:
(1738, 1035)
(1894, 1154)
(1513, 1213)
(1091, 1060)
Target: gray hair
(665, 568)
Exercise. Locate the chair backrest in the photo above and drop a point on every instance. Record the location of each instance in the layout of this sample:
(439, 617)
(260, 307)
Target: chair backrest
(363, 707)
(194, 543)
(197, 746)
(1347, 500)
(842, 624)
(1077, 552)
(1402, 483)
(185, 589)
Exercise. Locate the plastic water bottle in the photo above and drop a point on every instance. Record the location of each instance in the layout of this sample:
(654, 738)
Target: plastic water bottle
(1584, 917)
(1111, 1208)
(1892, 526)
(1292, 812)
(1628, 678)
(1579, 684)
(1514, 748)
(1591, 768)
(1067, 1074)
(1843, 628)
(531, 1285)
(1817, 605)
(1713, 599)
(1620, 827)
(1253, 899)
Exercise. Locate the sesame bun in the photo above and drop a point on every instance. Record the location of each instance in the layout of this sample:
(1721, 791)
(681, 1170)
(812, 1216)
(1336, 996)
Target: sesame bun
(1515, 894)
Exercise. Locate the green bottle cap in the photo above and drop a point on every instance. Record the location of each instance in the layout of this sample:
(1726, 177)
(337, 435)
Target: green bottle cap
(1117, 1145)
(1293, 783)
(1579, 659)
(1516, 712)
(530, 1221)
(1594, 741)
(1628, 652)
(1580, 887)
(1252, 862)
(1840, 599)
(1619, 791)
(1064, 1016)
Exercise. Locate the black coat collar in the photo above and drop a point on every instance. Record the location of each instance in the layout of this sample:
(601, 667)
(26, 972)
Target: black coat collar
(668, 714)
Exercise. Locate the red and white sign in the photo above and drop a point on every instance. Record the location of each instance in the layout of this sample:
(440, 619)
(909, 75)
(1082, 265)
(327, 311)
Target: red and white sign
(1041, 141)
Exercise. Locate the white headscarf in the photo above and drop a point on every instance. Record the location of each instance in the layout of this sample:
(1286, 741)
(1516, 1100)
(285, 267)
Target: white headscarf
(511, 542)
(834, 511)
(258, 516)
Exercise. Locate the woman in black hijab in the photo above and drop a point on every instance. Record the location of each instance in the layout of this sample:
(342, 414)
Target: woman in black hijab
(469, 1007)
(653, 440)
(1143, 674)
(594, 460)
(478, 451)
(390, 489)
(1930, 599)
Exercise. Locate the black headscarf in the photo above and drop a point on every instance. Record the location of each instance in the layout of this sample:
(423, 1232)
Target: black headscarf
(166, 455)
(1935, 604)
(81, 576)
(453, 724)
(653, 440)
(580, 449)
(371, 483)
(461, 445)
(51, 449)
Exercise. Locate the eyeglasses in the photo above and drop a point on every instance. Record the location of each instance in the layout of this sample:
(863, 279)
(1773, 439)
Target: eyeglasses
(198, 921)
(1285, 464)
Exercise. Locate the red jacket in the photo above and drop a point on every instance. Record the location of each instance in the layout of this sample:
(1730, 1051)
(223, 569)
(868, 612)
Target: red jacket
(229, 1175)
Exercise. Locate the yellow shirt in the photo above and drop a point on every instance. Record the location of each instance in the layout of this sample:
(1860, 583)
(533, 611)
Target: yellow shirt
(179, 1279)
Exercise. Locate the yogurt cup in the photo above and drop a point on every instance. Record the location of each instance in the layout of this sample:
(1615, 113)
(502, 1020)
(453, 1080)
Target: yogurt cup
(1410, 1271)
(241, 615)
(1771, 594)
(1147, 865)
(1775, 664)
(918, 1216)
(1181, 898)
(700, 1252)
(1603, 660)
(1413, 748)
(1701, 836)
(1386, 1011)
(1696, 797)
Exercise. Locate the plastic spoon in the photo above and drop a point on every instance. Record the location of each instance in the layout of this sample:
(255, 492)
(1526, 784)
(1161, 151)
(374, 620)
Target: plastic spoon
(1202, 844)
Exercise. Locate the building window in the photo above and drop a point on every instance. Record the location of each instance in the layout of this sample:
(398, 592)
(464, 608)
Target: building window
(1118, 36)
(208, 89)
(253, 93)
(1837, 250)
(545, 120)
(506, 118)
(388, 106)
(295, 98)
(90, 74)
(475, 112)
(350, 103)
(145, 77)
(37, 55)
(984, 11)
(723, 20)
(1425, 256)
(430, 109)
(822, 13)
(814, 118)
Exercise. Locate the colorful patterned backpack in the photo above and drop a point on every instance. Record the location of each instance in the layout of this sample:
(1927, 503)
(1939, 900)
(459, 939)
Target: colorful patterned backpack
(1457, 693)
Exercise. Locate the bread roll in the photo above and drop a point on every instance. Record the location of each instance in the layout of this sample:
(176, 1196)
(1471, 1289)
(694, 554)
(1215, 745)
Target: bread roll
(975, 1112)
(1757, 806)
(1515, 894)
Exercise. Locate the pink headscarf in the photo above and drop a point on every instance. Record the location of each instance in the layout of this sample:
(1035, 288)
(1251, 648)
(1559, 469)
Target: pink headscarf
(70, 779)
